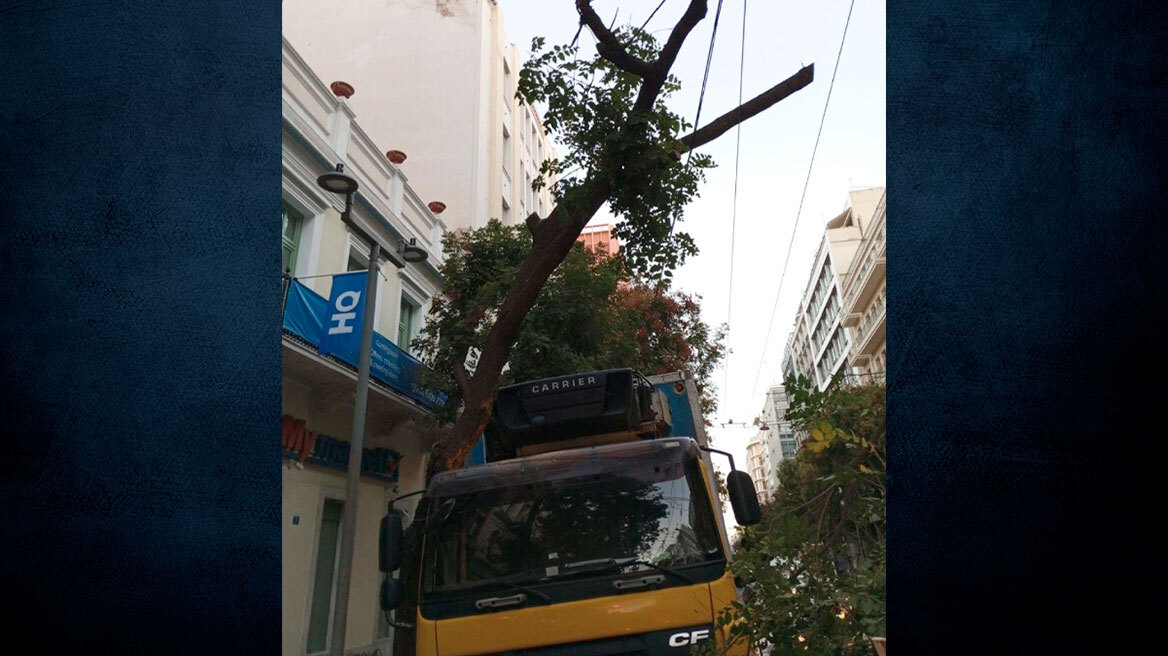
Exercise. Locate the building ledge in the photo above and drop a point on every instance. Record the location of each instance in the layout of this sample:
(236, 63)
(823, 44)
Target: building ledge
(334, 382)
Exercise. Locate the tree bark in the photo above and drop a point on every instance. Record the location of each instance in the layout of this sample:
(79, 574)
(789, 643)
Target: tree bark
(750, 108)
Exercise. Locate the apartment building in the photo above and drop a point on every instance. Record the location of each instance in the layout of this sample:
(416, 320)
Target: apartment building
(319, 130)
(780, 440)
(819, 345)
(865, 297)
(599, 239)
(757, 465)
(435, 81)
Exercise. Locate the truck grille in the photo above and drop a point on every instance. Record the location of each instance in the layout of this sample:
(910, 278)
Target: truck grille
(655, 643)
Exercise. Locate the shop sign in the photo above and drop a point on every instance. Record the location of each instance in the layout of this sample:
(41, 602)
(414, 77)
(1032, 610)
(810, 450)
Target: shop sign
(345, 314)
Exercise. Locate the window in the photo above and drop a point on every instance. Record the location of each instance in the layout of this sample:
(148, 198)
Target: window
(324, 577)
(405, 324)
(506, 152)
(358, 254)
(290, 237)
(495, 534)
(506, 83)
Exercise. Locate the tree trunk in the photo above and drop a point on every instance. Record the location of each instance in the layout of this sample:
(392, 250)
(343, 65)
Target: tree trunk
(552, 239)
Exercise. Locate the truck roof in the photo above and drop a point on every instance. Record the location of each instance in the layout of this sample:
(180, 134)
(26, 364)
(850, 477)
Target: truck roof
(570, 463)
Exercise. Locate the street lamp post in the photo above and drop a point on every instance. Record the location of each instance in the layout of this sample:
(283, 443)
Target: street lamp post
(349, 520)
(339, 182)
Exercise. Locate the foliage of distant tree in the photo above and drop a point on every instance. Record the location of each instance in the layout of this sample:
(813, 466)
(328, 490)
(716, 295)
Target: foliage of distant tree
(815, 565)
(590, 315)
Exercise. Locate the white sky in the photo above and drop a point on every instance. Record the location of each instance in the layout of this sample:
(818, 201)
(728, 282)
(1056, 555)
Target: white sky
(776, 148)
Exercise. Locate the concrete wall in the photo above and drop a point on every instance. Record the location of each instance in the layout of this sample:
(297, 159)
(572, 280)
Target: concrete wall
(305, 487)
(429, 79)
(413, 64)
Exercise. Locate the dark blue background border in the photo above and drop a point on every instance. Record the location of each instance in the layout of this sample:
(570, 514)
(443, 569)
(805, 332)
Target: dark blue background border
(139, 491)
(140, 181)
(1026, 201)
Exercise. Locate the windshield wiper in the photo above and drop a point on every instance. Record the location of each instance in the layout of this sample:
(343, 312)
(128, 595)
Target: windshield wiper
(515, 600)
(602, 564)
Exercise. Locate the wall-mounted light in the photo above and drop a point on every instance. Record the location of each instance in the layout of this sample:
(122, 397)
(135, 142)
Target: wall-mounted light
(411, 252)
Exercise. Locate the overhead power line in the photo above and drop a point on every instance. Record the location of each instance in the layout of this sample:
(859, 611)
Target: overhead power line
(799, 212)
(701, 98)
(702, 95)
(659, 5)
(734, 206)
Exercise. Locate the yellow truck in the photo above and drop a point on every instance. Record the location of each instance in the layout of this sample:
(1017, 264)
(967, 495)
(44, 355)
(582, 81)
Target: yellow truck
(591, 529)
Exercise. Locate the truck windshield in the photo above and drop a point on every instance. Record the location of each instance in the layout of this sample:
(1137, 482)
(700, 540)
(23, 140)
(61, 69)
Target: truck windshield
(657, 513)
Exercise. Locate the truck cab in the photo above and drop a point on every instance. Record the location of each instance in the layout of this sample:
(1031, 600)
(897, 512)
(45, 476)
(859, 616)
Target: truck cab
(588, 531)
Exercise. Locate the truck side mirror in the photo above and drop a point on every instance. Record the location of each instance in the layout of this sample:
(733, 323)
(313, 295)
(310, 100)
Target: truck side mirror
(392, 592)
(743, 498)
(389, 543)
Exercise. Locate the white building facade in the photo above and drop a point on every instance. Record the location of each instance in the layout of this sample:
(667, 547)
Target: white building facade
(436, 81)
(319, 130)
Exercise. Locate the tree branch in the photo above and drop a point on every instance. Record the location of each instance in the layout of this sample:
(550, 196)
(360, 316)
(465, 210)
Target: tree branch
(692, 16)
(532, 222)
(752, 107)
(608, 46)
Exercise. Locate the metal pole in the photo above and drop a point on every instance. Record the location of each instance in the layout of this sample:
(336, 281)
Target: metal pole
(349, 519)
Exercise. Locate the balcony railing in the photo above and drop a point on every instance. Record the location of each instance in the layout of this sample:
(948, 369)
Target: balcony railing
(873, 324)
(864, 379)
(862, 282)
(877, 312)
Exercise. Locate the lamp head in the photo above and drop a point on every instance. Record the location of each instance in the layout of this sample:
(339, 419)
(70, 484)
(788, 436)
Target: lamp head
(337, 181)
(411, 252)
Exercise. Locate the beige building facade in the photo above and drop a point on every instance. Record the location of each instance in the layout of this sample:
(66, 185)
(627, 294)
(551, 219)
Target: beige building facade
(820, 345)
(437, 81)
(319, 130)
(865, 298)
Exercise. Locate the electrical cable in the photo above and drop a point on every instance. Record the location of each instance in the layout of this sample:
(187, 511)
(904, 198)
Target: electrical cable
(799, 212)
(659, 5)
(734, 206)
(701, 99)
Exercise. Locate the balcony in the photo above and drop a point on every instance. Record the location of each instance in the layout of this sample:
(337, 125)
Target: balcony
(394, 396)
(851, 319)
(867, 281)
(871, 334)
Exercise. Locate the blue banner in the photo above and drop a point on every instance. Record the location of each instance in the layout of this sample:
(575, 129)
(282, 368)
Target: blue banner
(305, 316)
(344, 314)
